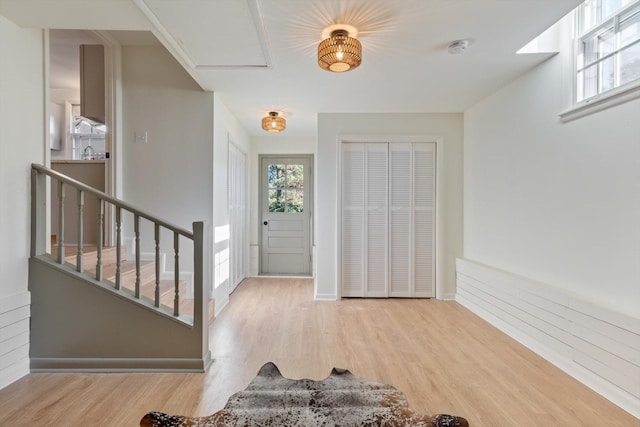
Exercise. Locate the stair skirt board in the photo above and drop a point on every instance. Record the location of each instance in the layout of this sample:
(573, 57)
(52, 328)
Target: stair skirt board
(120, 365)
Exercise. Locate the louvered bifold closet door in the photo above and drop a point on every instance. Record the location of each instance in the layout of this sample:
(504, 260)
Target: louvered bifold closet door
(376, 220)
(424, 176)
(388, 220)
(352, 266)
(400, 220)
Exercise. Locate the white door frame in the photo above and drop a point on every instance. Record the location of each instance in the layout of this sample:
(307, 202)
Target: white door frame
(114, 121)
(439, 190)
(309, 197)
(245, 241)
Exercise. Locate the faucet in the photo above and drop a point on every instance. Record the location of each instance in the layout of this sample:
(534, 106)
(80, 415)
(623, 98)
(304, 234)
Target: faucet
(89, 153)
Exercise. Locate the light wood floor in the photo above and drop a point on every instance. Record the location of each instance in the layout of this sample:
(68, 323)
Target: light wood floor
(444, 358)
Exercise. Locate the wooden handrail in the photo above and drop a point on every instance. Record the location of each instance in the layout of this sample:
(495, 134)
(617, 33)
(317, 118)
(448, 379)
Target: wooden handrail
(107, 198)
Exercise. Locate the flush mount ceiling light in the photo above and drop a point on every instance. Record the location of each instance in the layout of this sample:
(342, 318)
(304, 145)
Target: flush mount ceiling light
(339, 52)
(273, 122)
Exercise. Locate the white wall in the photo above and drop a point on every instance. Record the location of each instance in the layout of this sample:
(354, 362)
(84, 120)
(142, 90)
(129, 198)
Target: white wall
(171, 176)
(330, 126)
(21, 143)
(555, 202)
(268, 144)
(227, 130)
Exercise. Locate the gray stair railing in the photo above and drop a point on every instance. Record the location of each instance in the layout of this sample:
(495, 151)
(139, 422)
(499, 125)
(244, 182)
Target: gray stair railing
(38, 237)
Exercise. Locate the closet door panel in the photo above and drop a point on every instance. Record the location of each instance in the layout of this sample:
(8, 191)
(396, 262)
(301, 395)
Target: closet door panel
(400, 235)
(424, 197)
(376, 183)
(352, 260)
(353, 220)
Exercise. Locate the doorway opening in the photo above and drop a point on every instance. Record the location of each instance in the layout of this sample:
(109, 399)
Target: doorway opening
(82, 76)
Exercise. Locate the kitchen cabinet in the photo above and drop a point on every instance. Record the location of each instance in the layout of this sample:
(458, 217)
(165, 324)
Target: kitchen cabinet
(92, 82)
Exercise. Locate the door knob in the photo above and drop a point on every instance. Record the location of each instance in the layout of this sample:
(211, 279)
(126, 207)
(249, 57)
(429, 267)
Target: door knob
(266, 222)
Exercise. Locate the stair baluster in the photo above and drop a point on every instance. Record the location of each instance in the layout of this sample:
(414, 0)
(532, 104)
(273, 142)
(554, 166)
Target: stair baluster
(176, 273)
(118, 245)
(60, 236)
(99, 239)
(157, 290)
(79, 262)
(136, 230)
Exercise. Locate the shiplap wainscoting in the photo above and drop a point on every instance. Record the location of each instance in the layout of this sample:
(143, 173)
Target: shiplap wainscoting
(595, 345)
(14, 337)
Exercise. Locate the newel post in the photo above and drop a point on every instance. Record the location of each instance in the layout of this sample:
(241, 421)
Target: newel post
(38, 213)
(201, 283)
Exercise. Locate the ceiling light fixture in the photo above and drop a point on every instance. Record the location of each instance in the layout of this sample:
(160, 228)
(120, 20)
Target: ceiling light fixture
(273, 122)
(339, 52)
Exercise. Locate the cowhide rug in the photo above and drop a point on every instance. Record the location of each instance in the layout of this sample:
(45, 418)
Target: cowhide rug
(342, 399)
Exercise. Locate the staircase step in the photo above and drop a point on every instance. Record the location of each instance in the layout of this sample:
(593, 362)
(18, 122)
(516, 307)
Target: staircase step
(128, 277)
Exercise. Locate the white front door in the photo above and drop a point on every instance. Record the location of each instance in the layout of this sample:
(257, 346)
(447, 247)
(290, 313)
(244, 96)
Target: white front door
(286, 203)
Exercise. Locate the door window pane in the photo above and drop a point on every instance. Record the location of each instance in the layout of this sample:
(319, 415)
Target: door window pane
(286, 187)
(276, 200)
(295, 200)
(276, 178)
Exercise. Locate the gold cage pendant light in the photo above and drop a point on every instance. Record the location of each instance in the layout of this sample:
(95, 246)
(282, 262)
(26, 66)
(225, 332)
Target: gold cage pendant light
(273, 122)
(339, 53)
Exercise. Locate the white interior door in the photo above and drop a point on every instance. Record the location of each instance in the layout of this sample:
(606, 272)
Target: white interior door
(237, 197)
(286, 203)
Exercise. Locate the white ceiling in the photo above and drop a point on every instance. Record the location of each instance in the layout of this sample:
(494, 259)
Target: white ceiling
(260, 55)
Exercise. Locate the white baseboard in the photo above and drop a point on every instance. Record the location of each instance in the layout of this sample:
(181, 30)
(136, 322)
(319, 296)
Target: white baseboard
(15, 312)
(221, 304)
(254, 259)
(597, 346)
(119, 365)
(325, 297)
(449, 296)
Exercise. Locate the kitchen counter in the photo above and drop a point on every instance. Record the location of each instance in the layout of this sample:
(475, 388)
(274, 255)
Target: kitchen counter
(64, 162)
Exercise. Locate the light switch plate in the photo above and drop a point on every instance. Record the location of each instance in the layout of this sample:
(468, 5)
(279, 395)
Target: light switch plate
(140, 137)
